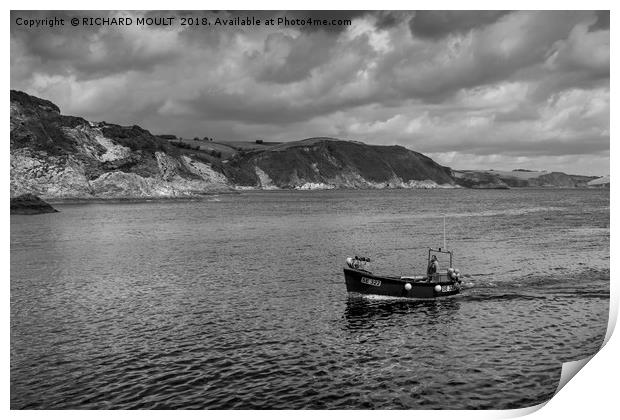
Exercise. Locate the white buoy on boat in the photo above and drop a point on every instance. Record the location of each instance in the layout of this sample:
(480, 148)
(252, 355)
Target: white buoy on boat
(438, 288)
(407, 286)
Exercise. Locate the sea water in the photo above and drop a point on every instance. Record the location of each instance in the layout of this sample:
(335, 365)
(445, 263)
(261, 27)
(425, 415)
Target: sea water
(239, 301)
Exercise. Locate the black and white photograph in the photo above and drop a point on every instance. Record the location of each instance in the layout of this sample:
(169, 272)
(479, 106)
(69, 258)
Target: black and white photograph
(306, 209)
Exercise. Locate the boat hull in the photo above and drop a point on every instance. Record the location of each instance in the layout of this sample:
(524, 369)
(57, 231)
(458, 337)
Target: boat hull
(366, 283)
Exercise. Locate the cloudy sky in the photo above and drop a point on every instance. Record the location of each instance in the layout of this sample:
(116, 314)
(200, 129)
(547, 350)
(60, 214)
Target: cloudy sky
(482, 90)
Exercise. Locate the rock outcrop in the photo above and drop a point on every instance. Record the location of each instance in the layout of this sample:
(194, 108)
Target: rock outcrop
(30, 204)
(58, 156)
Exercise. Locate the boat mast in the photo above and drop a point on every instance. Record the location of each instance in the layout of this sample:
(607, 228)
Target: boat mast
(444, 232)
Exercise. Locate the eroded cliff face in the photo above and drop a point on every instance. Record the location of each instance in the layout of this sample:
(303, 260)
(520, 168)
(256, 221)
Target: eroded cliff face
(56, 156)
(61, 157)
(326, 163)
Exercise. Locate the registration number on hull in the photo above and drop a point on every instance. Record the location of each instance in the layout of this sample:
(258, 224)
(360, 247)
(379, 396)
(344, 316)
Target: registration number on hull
(371, 282)
(448, 288)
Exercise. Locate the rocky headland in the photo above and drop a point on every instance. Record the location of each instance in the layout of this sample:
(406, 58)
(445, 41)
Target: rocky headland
(55, 156)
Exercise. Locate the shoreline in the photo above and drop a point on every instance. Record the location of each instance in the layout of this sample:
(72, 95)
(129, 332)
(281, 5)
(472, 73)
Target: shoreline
(198, 197)
(89, 200)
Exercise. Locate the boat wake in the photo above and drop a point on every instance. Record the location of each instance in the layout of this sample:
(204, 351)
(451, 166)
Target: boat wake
(556, 284)
(379, 298)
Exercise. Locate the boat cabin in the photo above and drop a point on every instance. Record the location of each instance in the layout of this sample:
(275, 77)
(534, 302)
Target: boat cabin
(444, 265)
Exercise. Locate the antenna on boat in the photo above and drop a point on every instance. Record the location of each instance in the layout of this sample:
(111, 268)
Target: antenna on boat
(444, 231)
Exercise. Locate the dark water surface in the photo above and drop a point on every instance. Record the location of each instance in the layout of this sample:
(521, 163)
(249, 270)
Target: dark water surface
(238, 301)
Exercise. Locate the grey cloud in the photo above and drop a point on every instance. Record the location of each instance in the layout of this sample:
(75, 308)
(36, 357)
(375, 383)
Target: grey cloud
(583, 51)
(264, 108)
(89, 52)
(285, 59)
(602, 21)
(436, 24)
(519, 113)
(388, 19)
(371, 81)
(544, 147)
(481, 59)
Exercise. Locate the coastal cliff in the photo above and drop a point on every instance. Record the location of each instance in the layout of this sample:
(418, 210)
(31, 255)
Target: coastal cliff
(55, 156)
(326, 163)
(58, 156)
(64, 157)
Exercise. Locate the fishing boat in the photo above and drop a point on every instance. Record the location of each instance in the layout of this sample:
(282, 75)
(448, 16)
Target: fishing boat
(435, 283)
(360, 280)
